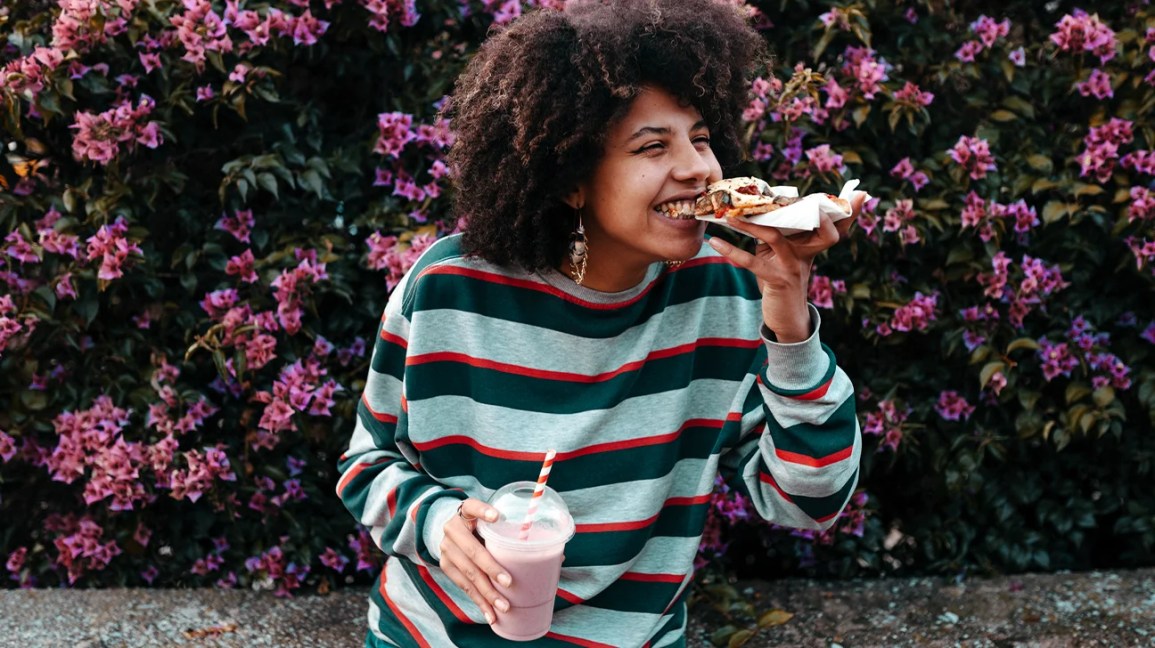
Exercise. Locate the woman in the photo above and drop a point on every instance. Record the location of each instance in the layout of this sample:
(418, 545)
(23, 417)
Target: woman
(581, 310)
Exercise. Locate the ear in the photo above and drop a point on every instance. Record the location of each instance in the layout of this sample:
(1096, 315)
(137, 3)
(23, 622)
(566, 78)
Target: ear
(576, 199)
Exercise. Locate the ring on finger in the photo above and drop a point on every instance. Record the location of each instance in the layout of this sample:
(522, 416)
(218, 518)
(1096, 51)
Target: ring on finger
(469, 519)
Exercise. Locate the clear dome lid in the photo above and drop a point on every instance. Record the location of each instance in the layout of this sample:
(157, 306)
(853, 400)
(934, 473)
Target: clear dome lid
(549, 520)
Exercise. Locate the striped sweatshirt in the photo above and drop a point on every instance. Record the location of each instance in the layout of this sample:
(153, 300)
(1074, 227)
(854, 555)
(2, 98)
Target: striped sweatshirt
(646, 394)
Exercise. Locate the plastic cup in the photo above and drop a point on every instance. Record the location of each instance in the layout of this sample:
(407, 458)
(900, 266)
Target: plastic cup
(534, 564)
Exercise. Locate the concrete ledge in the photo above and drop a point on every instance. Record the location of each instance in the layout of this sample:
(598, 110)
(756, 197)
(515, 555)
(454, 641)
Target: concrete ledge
(1045, 610)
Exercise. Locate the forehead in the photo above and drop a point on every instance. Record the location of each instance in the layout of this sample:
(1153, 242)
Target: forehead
(655, 108)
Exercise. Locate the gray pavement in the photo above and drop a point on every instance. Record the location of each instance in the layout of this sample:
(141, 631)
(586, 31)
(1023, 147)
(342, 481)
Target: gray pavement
(1034, 610)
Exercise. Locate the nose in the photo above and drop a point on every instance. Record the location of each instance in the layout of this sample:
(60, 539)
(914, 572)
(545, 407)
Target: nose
(692, 164)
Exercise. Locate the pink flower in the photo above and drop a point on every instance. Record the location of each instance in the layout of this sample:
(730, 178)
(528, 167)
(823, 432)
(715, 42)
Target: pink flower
(865, 70)
(1098, 84)
(974, 155)
(952, 406)
(394, 133)
(240, 224)
(903, 169)
(1079, 31)
(307, 29)
(822, 291)
(110, 245)
(1142, 207)
(823, 160)
(912, 95)
(205, 93)
(966, 53)
(243, 265)
(989, 31)
(150, 61)
(1018, 57)
(101, 137)
(915, 315)
(7, 446)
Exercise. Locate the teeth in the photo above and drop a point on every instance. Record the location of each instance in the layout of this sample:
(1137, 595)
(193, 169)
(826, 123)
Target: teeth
(678, 209)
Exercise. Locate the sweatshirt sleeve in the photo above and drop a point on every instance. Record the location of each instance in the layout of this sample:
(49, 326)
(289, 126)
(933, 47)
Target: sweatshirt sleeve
(381, 482)
(799, 454)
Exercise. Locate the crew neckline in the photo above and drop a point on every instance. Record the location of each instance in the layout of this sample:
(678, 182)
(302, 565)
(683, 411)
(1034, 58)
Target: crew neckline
(566, 284)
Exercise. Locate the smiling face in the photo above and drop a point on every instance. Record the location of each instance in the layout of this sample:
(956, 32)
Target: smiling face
(638, 205)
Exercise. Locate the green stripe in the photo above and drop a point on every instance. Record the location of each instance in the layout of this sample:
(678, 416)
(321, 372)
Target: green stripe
(380, 431)
(675, 623)
(549, 311)
(493, 387)
(814, 440)
(445, 248)
(422, 514)
(820, 507)
(635, 596)
(616, 547)
(355, 493)
(388, 357)
(584, 471)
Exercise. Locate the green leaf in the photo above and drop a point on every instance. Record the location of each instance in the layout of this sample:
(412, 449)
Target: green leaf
(989, 370)
(774, 617)
(1004, 116)
(1022, 343)
(1053, 211)
(1019, 105)
(268, 182)
(740, 638)
(1084, 189)
(1076, 392)
(1103, 396)
(312, 180)
(1040, 162)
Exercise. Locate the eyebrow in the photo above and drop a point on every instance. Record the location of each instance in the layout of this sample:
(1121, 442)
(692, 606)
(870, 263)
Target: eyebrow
(658, 130)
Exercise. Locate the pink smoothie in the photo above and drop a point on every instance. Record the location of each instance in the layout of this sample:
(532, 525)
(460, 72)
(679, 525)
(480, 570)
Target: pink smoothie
(534, 566)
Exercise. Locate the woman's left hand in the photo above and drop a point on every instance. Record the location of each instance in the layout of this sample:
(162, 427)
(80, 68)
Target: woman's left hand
(782, 265)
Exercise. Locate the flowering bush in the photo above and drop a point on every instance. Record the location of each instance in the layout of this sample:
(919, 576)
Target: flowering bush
(206, 203)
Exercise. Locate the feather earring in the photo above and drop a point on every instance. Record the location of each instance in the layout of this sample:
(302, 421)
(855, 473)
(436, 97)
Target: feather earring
(578, 252)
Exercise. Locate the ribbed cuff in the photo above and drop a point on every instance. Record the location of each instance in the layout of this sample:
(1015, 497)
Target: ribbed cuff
(797, 365)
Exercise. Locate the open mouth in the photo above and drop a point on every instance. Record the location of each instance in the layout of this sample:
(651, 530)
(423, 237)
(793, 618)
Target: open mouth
(676, 209)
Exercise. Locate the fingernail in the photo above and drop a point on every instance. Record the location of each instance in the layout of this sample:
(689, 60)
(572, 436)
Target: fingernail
(502, 605)
(489, 618)
(719, 245)
(491, 515)
(504, 579)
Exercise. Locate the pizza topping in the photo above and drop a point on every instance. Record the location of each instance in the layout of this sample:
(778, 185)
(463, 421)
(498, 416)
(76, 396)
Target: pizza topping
(750, 190)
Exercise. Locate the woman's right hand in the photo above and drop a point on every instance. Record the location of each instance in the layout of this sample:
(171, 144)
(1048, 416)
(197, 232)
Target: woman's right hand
(468, 563)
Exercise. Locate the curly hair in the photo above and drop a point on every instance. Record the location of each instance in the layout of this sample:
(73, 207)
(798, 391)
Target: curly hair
(532, 108)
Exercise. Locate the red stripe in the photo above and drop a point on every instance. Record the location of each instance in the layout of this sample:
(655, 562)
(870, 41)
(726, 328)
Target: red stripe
(570, 596)
(391, 501)
(819, 462)
(356, 470)
(653, 578)
(817, 393)
(441, 594)
(394, 339)
(531, 285)
(400, 616)
(633, 525)
(585, 643)
(521, 370)
(384, 417)
(767, 478)
(597, 448)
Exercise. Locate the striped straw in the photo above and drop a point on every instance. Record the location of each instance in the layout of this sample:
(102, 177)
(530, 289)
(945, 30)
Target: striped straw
(538, 489)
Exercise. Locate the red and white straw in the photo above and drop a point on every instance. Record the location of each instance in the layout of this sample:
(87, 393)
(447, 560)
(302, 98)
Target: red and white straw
(538, 489)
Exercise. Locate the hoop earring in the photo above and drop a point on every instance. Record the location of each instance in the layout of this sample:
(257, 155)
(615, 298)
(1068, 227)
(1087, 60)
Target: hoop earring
(578, 252)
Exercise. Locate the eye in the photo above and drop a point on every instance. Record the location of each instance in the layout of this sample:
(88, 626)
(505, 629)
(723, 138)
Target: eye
(652, 147)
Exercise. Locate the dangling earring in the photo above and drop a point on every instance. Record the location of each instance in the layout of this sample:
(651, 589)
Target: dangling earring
(578, 248)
